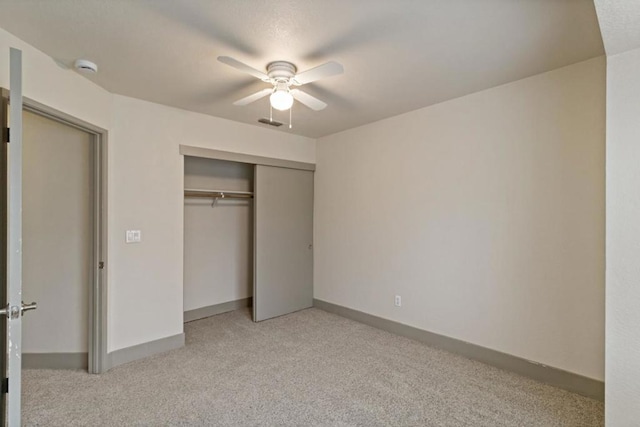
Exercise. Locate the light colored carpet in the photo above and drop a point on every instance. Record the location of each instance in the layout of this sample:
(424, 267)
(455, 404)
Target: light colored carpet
(310, 368)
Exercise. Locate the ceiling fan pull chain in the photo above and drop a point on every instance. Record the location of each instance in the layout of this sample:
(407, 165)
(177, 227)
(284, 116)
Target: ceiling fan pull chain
(270, 113)
(290, 109)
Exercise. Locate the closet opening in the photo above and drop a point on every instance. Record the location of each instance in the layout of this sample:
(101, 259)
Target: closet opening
(218, 237)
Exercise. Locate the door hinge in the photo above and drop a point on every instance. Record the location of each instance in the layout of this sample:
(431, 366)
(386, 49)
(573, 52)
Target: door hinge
(6, 134)
(5, 385)
(101, 265)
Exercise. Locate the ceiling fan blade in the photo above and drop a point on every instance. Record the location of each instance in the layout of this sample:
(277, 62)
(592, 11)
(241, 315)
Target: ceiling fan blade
(329, 69)
(308, 100)
(243, 67)
(253, 97)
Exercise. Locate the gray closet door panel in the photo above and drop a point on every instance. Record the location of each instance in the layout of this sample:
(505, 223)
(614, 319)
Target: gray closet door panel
(283, 275)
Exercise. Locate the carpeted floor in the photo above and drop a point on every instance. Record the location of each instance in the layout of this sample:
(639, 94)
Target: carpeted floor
(309, 368)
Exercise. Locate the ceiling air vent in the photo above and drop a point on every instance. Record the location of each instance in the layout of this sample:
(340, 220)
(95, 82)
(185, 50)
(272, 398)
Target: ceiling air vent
(270, 122)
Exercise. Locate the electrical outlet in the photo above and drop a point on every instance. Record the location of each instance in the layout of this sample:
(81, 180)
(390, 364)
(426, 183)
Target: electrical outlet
(398, 301)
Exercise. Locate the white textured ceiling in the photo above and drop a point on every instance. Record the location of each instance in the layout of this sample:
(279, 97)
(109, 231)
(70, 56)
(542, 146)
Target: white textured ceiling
(398, 55)
(620, 24)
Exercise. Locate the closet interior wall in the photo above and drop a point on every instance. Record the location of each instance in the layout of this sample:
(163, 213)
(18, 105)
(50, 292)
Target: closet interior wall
(218, 239)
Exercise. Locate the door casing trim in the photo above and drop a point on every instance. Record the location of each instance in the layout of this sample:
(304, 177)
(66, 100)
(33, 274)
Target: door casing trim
(98, 320)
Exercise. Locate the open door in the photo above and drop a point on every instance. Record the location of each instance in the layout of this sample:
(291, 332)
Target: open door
(283, 233)
(12, 308)
(4, 126)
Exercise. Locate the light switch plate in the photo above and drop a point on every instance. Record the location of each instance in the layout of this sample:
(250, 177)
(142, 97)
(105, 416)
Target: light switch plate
(133, 236)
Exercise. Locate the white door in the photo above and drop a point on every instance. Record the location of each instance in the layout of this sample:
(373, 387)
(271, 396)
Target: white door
(15, 307)
(283, 274)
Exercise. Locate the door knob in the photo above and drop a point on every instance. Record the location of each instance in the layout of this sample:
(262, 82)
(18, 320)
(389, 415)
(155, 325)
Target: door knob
(13, 312)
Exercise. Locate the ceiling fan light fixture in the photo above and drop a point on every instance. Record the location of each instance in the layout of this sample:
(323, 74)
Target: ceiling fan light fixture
(281, 99)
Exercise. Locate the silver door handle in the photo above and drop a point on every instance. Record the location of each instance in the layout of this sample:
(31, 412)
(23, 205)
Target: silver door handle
(13, 312)
(27, 307)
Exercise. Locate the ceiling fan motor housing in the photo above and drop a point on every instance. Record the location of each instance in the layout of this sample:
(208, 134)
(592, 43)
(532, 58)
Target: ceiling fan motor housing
(281, 72)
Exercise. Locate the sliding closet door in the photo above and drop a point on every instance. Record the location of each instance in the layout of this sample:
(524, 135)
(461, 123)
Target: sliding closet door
(283, 275)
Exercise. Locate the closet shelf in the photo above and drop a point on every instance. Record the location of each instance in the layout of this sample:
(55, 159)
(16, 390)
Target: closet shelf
(217, 194)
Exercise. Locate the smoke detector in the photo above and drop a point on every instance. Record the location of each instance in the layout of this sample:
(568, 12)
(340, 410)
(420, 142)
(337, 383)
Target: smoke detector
(84, 66)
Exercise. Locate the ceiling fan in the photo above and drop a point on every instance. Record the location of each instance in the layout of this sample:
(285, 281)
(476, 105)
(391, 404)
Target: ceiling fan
(283, 75)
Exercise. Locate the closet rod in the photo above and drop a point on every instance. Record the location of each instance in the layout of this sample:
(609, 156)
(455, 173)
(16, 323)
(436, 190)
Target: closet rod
(218, 194)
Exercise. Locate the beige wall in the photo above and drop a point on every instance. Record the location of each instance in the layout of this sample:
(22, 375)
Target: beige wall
(146, 193)
(485, 213)
(622, 390)
(145, 185)
(218, 240)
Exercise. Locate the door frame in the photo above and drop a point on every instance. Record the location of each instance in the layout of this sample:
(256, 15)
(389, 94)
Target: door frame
(98, 361)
